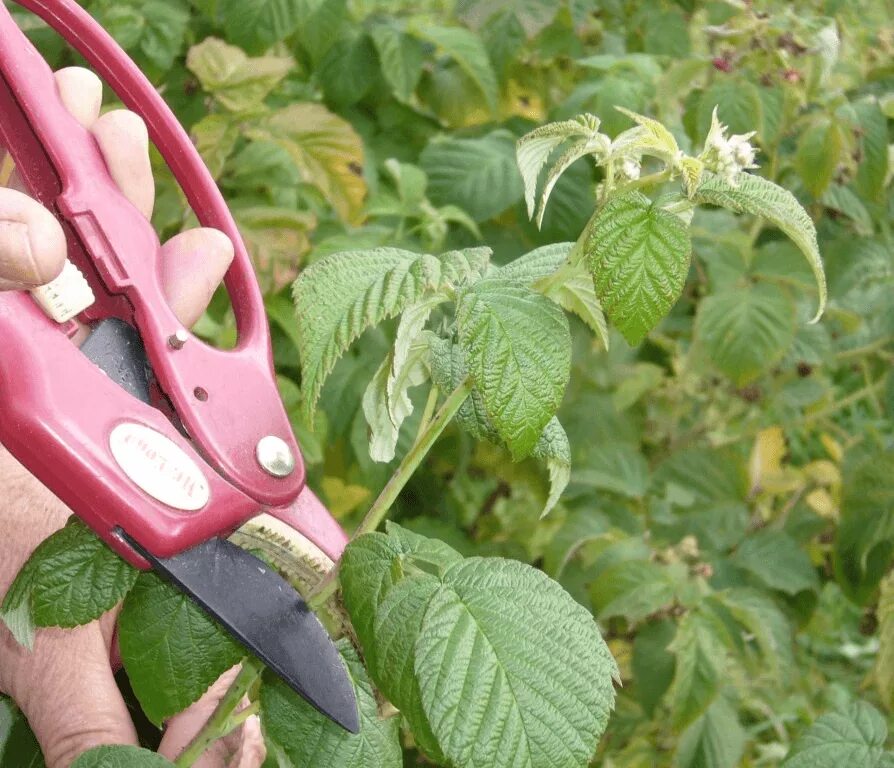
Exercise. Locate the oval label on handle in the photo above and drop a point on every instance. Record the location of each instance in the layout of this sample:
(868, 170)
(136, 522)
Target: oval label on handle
(159, 466)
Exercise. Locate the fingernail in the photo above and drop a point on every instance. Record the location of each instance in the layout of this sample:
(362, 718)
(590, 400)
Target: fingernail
(17, 262)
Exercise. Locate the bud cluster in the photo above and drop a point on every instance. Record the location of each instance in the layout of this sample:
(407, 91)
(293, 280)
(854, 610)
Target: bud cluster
(727, 156)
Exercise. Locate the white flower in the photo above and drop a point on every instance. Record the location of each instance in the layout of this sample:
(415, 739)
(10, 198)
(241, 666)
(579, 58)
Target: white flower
(727, 156)
(630, 168)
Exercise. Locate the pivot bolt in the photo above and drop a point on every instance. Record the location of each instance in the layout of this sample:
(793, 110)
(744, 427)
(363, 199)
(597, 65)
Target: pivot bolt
(275, 456)
(178, 339)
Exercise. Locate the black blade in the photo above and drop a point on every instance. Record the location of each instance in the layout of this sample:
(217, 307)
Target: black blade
(264, 611)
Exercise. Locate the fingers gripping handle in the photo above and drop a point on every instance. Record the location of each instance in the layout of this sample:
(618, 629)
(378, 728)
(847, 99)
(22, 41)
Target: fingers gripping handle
(227, 400)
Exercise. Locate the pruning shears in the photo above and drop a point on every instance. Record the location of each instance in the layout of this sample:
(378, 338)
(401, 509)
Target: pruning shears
(162, 444)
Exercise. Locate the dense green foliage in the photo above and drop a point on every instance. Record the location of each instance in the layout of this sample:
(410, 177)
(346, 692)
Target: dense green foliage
(728, 505)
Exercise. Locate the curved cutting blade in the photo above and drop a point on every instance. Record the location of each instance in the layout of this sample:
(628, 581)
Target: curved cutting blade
(268, 616)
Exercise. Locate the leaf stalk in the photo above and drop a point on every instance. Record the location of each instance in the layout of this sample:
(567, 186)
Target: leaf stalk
(426, 438)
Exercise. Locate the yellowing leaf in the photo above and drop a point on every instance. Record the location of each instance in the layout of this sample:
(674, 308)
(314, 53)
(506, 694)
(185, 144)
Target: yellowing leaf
(276, 238)
(823, 472)
(343, 498)
(766, 457)
(215, 137)
(238, 82)
(832, 447)
(622, 650)
(821, 502)
(518, 100)
(325, 148)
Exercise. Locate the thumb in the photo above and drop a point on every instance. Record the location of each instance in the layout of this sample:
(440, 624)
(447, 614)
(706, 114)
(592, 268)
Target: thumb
(70, 697)
(32, 245)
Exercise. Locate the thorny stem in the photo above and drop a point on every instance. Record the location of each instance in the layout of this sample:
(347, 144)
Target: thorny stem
(420, 448)
(224, 718)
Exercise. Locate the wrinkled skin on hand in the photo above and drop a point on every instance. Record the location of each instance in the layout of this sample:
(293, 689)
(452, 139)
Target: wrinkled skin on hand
(66, 686)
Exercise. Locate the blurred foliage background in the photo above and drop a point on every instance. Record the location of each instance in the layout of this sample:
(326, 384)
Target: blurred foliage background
(730, 518)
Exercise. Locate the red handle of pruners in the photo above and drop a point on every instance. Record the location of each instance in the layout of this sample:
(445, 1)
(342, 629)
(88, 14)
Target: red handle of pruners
(60, 415)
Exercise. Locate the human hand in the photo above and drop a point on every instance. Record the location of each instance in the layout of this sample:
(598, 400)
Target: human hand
(66, 686)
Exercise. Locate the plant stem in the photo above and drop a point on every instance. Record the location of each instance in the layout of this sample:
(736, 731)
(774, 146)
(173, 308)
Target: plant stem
(420, 448)
(854, 397)
(223, 720)
(658, 177)
(866, 349)
(429, 409)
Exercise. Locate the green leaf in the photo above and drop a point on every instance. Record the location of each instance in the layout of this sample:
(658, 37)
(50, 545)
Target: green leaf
(449, 370)
(386, 403)
(348, 70)
(778, 561)
(755, 195)
(854, 738)
(322, 23)
(534, 149)
(533, 15)
(18, 746)
(619, 467)
(397, 629)
(700, 661)
(883, 669)
(536, 265)
(653, 664)
(401, 58)
(165, 29)
(845, 200)
(553, 448)
(259, 24)
(368, 574)
(632, 589)
(666, 33)
(819, 151)
(706, 474)
(71, 579)
(873, 168)
(521, 643)
(383, 433)
(580, 527)
(325, 148)
(572, 289)
(15, 612)
(763, 620)
(480, 631)
(340, 296)
(468, 51)
(478, 175)
(746, 330)
(236, 81)
(739, 107)
(171, 649)
(294, 730)
(715, 740)
(863, 544)
(392, 613)
(638, 255)
(408, 363)
(518, 348)
(651, 138)
(120, 757)
(78, 578)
